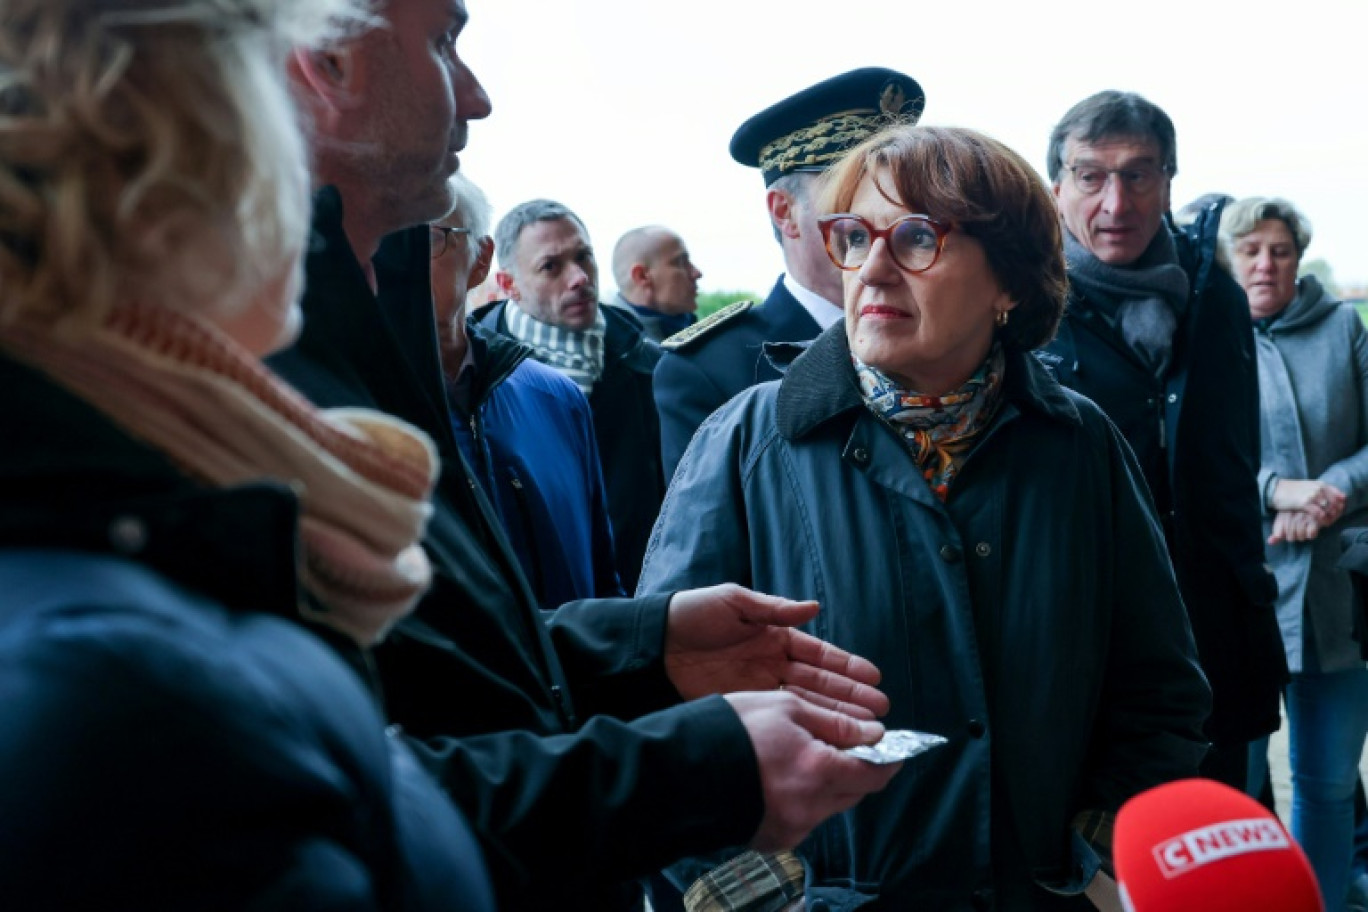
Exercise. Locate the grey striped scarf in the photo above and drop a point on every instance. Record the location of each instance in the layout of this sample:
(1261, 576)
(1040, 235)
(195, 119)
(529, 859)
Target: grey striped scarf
(577, 354)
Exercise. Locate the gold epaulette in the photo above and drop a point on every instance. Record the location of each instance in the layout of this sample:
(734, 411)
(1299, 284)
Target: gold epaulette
(717, 318)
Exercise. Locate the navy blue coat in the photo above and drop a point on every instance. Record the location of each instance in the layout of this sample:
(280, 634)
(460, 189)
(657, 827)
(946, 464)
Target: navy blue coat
(560, 737)
(529, 438)
(1195, 433)
(171, 736)
(627, 429)
(694, 380)
(1032, 619)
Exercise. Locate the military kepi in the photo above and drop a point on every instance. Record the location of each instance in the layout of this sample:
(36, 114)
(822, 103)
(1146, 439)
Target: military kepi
(810, 130)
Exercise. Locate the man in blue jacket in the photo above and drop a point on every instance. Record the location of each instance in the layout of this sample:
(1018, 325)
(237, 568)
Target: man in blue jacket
(525, 430)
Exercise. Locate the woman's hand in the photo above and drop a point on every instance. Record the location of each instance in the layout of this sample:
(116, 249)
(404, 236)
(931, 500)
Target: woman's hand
(1295, 526)
(1324, 502)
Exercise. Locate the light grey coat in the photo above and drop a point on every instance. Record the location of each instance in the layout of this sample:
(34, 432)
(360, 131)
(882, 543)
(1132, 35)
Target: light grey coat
(1313, 390)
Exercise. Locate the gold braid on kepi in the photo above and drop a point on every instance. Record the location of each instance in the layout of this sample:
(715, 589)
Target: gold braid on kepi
(810, 130)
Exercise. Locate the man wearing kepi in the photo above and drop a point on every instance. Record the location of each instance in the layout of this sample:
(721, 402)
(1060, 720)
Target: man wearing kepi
(791, 142)
(1160, 338)
(568, 743)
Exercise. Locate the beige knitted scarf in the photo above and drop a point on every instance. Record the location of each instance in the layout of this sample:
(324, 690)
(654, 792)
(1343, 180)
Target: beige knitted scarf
(189, 391)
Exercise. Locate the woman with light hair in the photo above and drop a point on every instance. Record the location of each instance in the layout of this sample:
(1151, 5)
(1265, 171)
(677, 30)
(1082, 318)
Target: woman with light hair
(191, 555)
(1313, 390)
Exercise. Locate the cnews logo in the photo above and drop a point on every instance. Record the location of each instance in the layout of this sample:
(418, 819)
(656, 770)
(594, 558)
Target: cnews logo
(1196, 848)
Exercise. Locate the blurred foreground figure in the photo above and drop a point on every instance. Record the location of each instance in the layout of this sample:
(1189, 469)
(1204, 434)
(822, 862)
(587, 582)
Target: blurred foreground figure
(173, 515)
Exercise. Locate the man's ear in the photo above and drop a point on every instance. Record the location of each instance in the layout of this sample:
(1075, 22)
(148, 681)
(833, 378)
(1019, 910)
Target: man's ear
(507, 285)
(783, 213)
(641, 276)
(331, 77)
(479, 271)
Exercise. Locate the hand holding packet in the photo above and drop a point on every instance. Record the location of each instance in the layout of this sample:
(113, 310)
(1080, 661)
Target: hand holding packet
(896, 745)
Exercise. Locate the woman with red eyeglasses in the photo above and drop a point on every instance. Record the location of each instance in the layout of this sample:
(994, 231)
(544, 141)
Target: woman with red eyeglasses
(980, 533)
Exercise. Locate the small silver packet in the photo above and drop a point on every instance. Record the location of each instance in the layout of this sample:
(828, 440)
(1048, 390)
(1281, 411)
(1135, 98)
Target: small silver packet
(896, 745)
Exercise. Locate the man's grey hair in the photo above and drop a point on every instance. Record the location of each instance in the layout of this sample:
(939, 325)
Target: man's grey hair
(512, 225)
(1243, 216)
(470, 211)
(1113, 114)
(797, 185)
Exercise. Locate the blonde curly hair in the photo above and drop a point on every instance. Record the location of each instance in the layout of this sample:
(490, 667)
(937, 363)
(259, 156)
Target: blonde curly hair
(151, 149)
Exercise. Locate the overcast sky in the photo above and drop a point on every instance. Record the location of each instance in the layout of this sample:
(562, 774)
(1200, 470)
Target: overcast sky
(623, 109)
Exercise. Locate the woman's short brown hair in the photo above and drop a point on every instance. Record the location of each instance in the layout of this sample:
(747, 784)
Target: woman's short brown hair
(985, 190)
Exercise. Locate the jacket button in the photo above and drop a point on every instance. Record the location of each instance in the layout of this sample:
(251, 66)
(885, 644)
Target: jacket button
(128, 534)
(1172, 398)
(983, 549)
(976, 728)
(860, 455)
(950, 554)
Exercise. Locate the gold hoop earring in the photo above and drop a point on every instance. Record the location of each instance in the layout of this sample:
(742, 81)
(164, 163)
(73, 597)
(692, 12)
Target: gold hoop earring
(1001, 318)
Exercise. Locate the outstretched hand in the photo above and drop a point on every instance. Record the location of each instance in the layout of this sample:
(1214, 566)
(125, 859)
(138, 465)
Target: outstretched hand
(804, 775)
(727, 638)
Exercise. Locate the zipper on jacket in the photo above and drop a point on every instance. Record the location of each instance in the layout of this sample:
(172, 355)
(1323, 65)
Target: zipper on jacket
(529, 536)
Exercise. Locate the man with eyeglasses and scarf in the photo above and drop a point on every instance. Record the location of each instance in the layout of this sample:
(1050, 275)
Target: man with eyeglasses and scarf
(1160, 338)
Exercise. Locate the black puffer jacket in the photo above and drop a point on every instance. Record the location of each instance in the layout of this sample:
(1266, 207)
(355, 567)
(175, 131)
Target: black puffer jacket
(171, 737)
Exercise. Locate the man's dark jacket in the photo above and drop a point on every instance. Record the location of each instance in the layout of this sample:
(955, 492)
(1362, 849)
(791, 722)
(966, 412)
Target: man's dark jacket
(524, 719)
(627, 428)
(1195, 433)
(694, 379)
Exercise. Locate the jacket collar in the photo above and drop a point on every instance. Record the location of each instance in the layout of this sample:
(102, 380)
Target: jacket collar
(809, 396)
(496, 357)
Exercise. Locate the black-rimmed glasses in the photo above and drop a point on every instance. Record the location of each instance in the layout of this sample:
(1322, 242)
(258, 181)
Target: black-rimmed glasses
(443, 238)
(914, 241)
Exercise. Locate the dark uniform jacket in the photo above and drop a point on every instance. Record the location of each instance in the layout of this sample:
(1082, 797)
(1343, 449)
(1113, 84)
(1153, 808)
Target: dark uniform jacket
(1032, 619)
(525, 719)
(171, 736)
(694, 378)
(627, 429)
(1195, 433)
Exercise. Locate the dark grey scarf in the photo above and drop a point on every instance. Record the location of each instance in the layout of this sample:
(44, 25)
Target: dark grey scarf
(1143, 301)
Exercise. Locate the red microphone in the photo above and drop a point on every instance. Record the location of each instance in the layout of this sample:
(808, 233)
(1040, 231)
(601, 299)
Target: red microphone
(1200, 846)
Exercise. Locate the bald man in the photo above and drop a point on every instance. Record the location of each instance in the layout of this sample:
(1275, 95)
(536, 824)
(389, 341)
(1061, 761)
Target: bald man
(656, 280)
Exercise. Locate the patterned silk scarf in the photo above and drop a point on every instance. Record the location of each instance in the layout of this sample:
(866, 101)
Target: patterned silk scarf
(940, 430)
(194, 394)
(577, 354)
